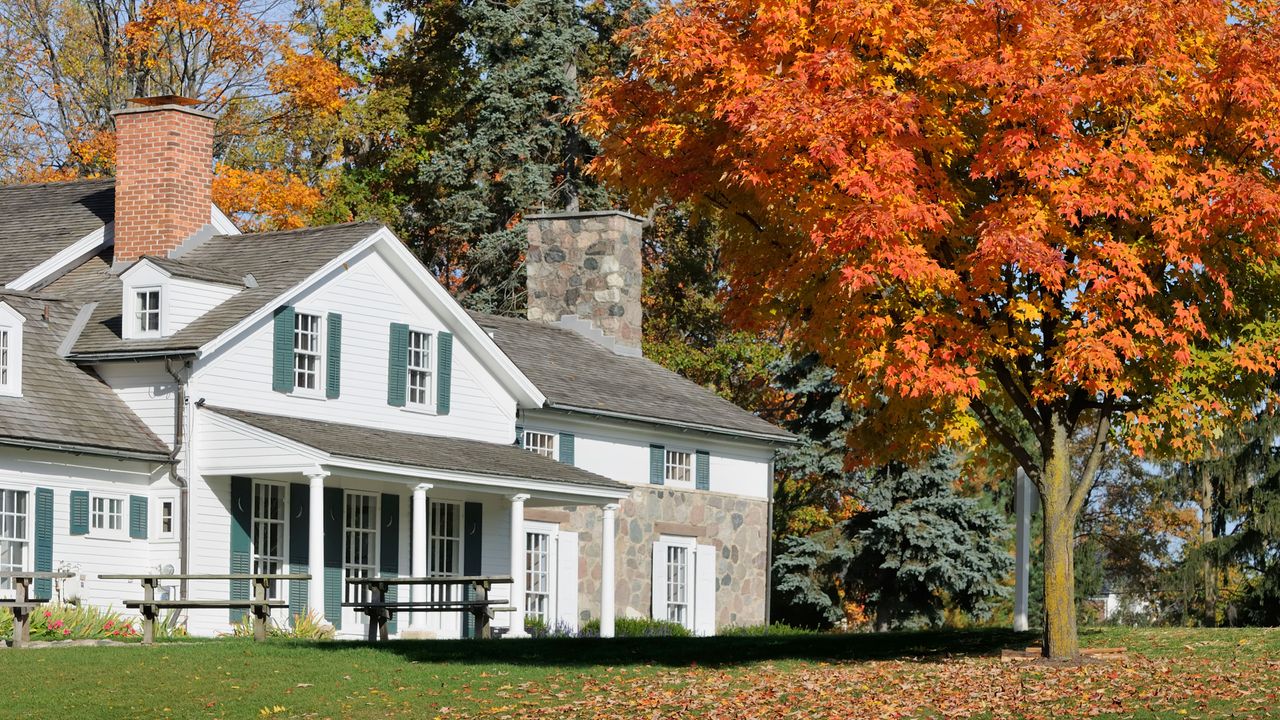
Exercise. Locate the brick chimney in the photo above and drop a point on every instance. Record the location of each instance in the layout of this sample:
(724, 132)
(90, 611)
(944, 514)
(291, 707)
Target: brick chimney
(164, 175)
(585, 274)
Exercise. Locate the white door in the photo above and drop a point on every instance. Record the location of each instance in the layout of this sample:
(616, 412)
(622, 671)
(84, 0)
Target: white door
(359, 552)
(444, 559)
(269, 537)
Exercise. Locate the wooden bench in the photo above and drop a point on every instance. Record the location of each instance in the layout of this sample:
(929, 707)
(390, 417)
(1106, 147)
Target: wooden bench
(22, 604)
(260, 606)
(379, 609)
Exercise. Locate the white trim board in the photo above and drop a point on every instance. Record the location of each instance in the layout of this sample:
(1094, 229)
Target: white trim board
(69, 257)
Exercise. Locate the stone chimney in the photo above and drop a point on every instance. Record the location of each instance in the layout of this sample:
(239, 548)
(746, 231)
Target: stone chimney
(585, 274)
(164, 175)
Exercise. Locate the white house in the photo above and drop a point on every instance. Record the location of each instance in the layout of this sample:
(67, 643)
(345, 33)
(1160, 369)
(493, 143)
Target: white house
(175, 395)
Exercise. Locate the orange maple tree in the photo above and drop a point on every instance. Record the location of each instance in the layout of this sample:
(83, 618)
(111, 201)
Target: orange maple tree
(998, 221)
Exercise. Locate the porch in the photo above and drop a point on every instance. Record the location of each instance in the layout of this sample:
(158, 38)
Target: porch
(341, 501)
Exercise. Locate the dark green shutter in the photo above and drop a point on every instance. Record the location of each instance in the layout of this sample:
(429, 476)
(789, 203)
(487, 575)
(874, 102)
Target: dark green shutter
(79, 512)
(519, 436)
(472, 532)
(702, 472)
(44, 541)
(282, 368)
(566, 448)
(299, 536)
(333, 359)
(389, 552)
(333, 579)
(657, 465)
(138, 517)
(241, 527)
(397, 364)
(444, 371)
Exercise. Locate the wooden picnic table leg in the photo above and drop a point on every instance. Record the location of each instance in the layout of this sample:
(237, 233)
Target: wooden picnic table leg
(375, 613)
(483, 630)
(384, 616)
(260, 609)
(21, 617)
(149, 611)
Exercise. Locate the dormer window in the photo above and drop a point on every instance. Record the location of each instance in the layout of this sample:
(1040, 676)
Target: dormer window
(10, 351)
(146, 311)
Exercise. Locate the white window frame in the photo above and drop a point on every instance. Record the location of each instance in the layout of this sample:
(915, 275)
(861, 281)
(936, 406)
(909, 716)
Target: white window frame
(172, 532)
(551, 449)
(427, 372)
(550, 537)
(318, 353)
(259, 562)
(11, 322)
(437, 541)
(136, 311)
(670, 544)
(670, 464)
(351, 569)
(120, 533)
(27, 546)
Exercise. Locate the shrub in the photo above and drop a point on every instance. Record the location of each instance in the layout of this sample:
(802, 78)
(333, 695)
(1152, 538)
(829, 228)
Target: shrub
(775, 630)
(71, 622)
(536, 627)
(303, 626)
(636, 627)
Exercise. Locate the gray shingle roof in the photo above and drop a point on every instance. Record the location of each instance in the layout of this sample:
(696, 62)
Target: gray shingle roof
(39, 221)
(576, 373)
(422, 451)
(191, 271)
(62, 404)
(277, 261)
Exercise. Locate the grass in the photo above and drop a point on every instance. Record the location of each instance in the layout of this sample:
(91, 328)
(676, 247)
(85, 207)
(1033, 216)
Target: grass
(668, 677)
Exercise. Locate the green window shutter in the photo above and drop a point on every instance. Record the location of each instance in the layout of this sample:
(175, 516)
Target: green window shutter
(520, 436)
(472, 532)
(566, 448)
(79, 512)
(333, 357)
(333, 579)
(299, 536)
(241, 527)
(389, 550)
(44, 541)
(282, 369)
(702, 471)
(398, 364)
(138, 517)
(444, 371)
(657, 465)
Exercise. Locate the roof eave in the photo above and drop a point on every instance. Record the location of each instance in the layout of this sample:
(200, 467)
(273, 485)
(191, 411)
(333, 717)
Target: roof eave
(30, 444)
(784, 438)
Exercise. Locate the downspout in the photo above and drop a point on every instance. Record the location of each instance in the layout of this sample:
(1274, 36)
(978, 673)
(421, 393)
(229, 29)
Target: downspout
(768, 563)
(181, 435)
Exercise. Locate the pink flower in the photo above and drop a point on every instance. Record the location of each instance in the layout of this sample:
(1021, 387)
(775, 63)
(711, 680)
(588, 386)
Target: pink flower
(48, 614)
(66, 632)
(109, 624)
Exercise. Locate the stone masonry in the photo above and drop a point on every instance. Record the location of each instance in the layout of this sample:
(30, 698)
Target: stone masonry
(588, 265)
(733, 524)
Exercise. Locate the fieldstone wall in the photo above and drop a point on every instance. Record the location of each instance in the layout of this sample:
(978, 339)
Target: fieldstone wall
(738, 527)
(587, 265)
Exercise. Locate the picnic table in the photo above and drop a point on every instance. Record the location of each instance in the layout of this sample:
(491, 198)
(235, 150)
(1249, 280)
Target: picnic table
(22, 604)
(260, 606)
(476, 600)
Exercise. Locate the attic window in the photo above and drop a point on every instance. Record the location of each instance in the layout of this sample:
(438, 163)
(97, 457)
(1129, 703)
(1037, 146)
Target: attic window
(146, 311)
(10, 351)
(4, 357)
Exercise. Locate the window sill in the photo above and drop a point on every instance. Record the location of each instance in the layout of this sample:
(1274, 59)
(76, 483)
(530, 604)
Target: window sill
(420, 410)
(111, 538)
(309, 394)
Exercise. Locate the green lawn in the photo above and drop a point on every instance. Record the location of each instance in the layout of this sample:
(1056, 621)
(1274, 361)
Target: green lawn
(1169, 672)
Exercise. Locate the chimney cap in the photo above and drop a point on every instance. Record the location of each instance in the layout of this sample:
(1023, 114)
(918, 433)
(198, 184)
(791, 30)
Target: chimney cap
(163, 102)
(572, 215)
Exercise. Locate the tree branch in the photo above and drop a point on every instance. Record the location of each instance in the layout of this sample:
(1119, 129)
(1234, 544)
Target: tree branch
(1007, 439)
(1101, 434)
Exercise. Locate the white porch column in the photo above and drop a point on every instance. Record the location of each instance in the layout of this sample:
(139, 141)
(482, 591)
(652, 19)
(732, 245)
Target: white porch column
(517, 564)
(418, 551)
(1024, 500)
(609, 528)
(315, 543)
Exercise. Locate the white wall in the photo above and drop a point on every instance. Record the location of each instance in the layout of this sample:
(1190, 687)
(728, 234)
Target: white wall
(147, 388)
(90, 555)
(620, 451)
(186, 300)
(370, 296)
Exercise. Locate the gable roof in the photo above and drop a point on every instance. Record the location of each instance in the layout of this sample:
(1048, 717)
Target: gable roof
(593, 378)
(430, 452)
(63, 406)
(39, 221)
(190, 271)
(277, 260)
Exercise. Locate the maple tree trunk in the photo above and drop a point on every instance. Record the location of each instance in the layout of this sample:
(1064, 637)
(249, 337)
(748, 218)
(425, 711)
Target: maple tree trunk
(1206, 536)
(1060, 639)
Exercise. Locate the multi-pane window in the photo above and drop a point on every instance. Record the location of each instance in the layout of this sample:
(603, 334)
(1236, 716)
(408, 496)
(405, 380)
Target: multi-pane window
(106, 515)
(268, 532)
(166, 518)
(540, 443)
(360, 539)
(4, 357)
(679, 467)
(146, 310)
(306, 351)
(678, 584)
(15, 540)
(444, 539)
(419, 375)
(537, 575)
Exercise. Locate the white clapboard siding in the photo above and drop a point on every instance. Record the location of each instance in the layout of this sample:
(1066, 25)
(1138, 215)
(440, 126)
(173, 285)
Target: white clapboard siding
(187, 300)
(704, 591)
(147, 388)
